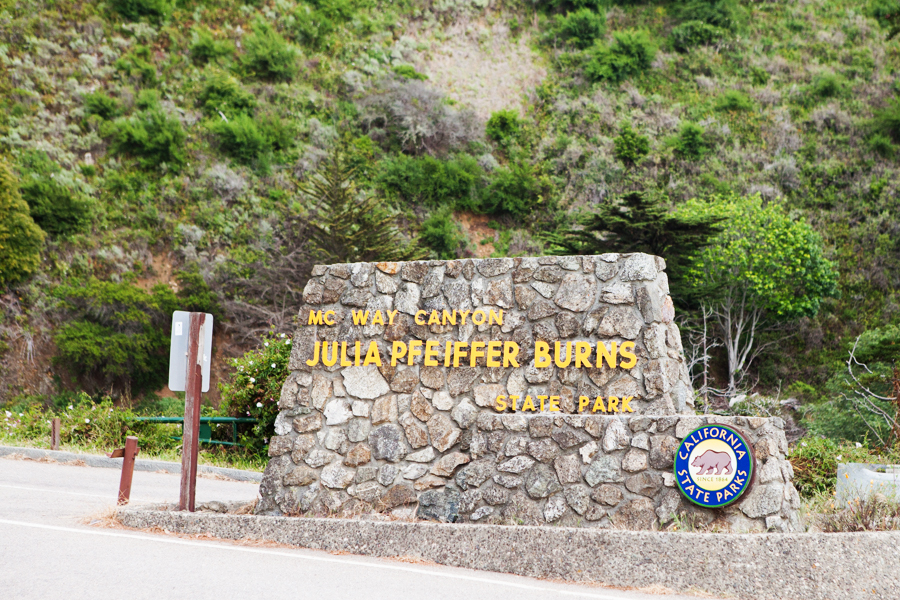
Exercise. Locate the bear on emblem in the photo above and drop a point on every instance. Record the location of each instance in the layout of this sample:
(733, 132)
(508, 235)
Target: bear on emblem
(712, 460)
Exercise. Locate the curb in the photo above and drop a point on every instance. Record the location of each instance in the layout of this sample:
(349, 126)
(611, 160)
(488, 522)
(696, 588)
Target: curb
(93, 460)
(806, 566)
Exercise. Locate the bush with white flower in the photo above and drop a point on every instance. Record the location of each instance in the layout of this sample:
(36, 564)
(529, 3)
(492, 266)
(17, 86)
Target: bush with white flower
(253, 387)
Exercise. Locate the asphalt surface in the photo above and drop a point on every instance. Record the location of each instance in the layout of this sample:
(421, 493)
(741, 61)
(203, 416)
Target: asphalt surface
(49, 549)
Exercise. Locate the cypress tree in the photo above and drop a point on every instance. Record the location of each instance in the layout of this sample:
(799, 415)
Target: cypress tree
(20, 237)
(638, 222)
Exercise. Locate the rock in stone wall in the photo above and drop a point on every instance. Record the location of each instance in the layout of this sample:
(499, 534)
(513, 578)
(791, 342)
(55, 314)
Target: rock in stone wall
(411, 437)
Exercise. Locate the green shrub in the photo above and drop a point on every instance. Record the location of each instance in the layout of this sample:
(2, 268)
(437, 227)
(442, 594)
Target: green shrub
(631, 54)
(431, 182)
(312, 27)
(98, 103)
(580, 28)
(815, 462)
(409, 72)
(827, 85)
(267, 55)
(441, 234)
(223, 92)
(733, 101)
(206, 48)
(887, 120)
(724, 14)
(57, 203)
(193, 291)
(881, 145)
(20, 238)
(253, 389)
(138, 64)
(56, 209)
(513, 191)
(695, 33)
(689, 143)
(84, 423)
(242, 140)
(116, 335)
(150, 136)
(154, 10)
(504, 127)
(630, 146)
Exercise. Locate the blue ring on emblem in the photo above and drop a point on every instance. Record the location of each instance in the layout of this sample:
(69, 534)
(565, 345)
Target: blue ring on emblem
(714, 466)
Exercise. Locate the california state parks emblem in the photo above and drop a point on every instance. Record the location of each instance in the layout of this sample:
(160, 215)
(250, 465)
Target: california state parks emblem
(714, 466)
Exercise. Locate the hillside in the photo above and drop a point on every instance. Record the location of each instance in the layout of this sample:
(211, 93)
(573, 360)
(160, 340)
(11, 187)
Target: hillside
(167, 151)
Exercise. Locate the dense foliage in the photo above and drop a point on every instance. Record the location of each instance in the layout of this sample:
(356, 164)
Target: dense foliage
(151, 138)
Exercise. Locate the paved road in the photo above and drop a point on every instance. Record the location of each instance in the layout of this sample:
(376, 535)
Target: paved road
(47, 551)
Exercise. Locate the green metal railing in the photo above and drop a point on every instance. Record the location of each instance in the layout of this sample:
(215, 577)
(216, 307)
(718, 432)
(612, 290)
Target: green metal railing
(206, 424)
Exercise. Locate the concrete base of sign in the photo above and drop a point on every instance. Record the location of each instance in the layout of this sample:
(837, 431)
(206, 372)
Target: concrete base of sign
(807, 566)
(527, 390)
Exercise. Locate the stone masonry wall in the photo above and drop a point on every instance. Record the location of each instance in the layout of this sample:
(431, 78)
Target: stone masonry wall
(412, 439)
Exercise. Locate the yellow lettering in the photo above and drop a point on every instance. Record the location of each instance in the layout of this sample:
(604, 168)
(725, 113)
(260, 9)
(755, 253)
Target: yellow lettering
(378, 318)
(329, 362)
(415, 349)
(373, 356)
(625, 405)
(431, 352)
(514, 398)
(463, 314)
(398, 351)
(554, 404)
(613, 403)
(391, 315)
(475, 317)
(557, 346)
(418, 322)
(541, 355)
(582, 355)
(608, 356)
(315, 318)
(583, 402)
(315, 359)
(357, 348)
(449, 317)
(510, 352)
(360, 317)
(448, 353)
(499, 404)
(345, 362)
(542, 398)
(495, 318)
(598, 405)
(434, 319)
(493, 353)
(325, 318)
(625, 351)
(459, 351)
(477, 352)
(528, 402)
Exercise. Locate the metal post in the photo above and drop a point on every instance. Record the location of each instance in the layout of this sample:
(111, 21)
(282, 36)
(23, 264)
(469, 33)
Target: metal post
(131, 450)
(54, 433)
(190, 442)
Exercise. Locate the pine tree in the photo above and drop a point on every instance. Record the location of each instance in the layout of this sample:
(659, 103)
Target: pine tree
(20, 237)
(349, 225)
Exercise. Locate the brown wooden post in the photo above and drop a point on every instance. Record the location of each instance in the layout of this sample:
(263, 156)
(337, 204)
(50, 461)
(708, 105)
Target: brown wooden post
(54, 433)
(131, 450)
(190, 442)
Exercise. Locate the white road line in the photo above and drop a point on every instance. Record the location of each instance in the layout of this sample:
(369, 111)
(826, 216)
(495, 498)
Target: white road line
(357, 563)
(53, 491)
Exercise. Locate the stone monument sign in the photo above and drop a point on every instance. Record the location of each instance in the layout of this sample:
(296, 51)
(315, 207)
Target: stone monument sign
(526, 390)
